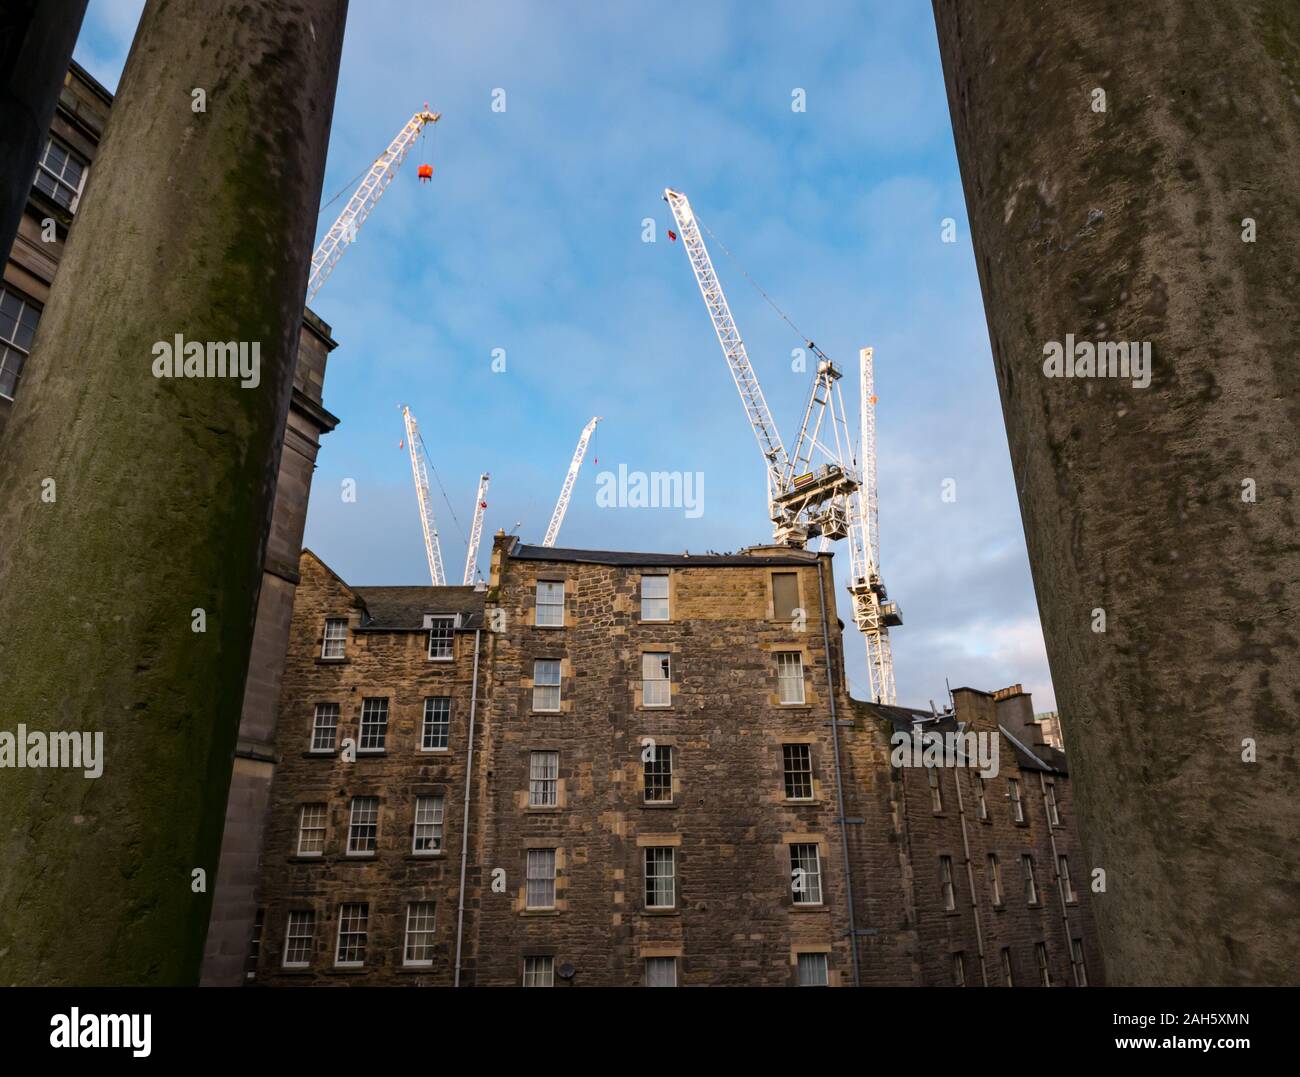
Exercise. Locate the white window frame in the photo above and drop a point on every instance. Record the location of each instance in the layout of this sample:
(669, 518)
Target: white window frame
(1044, 967)
(325, 710)
(1008, 974)
(1017, 805)
(656, 674)
(372, 717)
(540, 970)
(659, 765)
(1053, 809)
(307, 917)
(333, 635)
(442, 629)
(364, 920)
(435, 718)
(813, 964)
(665, 962)
(1067, 884)
(543, 779)
(786, 661)
(810, 893)
(429, 813)
(430, 931)
(549, 589)
(1077, 965)
(320, 824)
(649, 602)
(797, 771)
(57, 177)
(541, 870)
(10, 343)
(652, 858)
(947, 887)
(354, 823)
(995, 879)
(1031, 883)
(546, 686)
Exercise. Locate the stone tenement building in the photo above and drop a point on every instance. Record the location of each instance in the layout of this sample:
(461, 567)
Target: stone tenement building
(66, 167)
(622, 769)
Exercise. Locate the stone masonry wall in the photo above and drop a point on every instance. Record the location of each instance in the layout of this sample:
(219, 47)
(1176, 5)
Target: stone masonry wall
(729, 822)
(378, 663)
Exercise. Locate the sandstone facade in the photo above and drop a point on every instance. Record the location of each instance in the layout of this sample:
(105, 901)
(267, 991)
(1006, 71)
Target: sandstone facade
(660, 748)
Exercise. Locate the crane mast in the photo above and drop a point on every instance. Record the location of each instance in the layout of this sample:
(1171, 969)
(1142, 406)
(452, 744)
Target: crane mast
(873, 612)
(476, 529)
(420, 472)
(566, 491)
(344, 230)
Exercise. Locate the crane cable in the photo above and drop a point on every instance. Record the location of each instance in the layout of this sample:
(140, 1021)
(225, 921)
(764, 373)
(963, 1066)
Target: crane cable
(442, 490)
(770, 301)
(351, 185)
(854, 454)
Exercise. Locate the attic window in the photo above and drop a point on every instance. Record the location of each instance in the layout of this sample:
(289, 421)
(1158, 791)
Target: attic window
(441, 629)
(785, 595)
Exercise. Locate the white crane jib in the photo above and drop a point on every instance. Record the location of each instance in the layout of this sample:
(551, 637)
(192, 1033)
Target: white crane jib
(566, 491)
(476, 529)
(733, 347)
(420, 472)
(802, 502)
(344, 230)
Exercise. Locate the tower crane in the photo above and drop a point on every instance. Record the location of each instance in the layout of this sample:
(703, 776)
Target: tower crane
(420, 472)
(344, 230)
(834, 500)
(873, 612)
(566, 491)
(476, 529)
(804, 500)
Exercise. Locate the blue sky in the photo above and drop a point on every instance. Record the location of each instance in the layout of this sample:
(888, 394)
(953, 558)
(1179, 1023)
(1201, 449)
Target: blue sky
(529, 239)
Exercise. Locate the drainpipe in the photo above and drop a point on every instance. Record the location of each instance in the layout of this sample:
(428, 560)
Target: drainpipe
(464, 825)
(970, 874)
(839, 781)
(1056, 870)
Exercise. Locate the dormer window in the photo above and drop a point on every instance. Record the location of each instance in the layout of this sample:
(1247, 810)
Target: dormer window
(441, 632)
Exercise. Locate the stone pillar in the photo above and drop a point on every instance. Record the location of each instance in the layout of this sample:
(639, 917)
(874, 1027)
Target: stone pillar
(36, 42)
(1130, 176)
(134, 507)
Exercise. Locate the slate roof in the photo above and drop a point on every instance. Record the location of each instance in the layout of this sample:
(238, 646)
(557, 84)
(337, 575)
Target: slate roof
(1030, 757)
(405, 607)
(522, 552)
